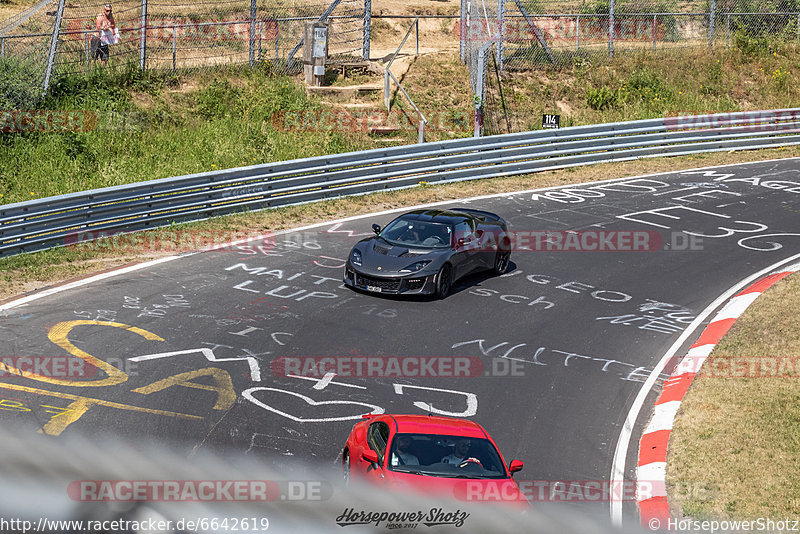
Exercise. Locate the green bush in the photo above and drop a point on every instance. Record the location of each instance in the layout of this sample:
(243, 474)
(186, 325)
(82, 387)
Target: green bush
(603, 98)
(219, 99)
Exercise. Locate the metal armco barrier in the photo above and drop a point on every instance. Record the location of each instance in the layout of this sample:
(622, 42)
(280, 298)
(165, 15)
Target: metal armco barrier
(57, 221)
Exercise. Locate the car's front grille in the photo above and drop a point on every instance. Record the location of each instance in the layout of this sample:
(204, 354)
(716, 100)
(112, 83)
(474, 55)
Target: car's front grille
(386, 284)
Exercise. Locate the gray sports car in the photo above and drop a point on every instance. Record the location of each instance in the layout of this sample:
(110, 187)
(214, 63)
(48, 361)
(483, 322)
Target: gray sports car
(427, 250)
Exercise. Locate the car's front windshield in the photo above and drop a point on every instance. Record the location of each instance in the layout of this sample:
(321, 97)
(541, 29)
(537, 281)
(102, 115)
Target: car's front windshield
(409, 232)
(445, 456)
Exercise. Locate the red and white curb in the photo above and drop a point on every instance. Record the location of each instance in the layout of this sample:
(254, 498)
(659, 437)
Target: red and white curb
(652, 463)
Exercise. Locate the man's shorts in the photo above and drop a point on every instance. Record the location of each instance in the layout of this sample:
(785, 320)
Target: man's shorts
(99, 51)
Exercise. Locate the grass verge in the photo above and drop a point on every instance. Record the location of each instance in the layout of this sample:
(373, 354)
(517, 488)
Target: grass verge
(734, 452)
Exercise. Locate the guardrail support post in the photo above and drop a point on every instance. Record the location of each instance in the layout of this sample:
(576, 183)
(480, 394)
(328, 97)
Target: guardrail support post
(252, 48)
(421, 132)
(143, 37)
(367, 30)
(51, 56)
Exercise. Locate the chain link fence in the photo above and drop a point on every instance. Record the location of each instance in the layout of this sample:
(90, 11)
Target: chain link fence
(170, 34)
(498, 36)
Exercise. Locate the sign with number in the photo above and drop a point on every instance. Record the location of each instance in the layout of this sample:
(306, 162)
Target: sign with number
(320, 41)
(551, 121)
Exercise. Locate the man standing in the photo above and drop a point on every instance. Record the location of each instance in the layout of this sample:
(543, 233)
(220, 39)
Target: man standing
(106, 34)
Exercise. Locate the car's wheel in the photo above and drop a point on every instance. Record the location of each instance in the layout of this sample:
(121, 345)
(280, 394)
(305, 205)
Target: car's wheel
(444, 281)
(346, 468)
(501, 262)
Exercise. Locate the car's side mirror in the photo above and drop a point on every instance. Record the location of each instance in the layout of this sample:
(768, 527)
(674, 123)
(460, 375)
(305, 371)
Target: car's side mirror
(376, 228)
(515, 465)
(371, 456)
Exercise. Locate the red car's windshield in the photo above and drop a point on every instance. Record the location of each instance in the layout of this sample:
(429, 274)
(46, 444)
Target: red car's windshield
(445, 456)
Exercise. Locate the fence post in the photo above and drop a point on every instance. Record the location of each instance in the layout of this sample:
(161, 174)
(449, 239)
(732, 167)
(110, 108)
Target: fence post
(86, 48)
(416, 26)
(798, 26)
(277, 44)
(577, 31)
(480, 88)
(174, 45)
(143, 37)
(655, 24)
(501, 26)
(711, 18)
(728, 30)
(611, 29)
(462, 30)
(2, 47)
(386, 89)
(259, 40)
(421, 131)
(51, 56)
(367, 29)
(252, 33)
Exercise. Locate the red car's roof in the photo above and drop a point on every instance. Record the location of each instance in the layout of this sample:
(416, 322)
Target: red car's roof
(430, 424)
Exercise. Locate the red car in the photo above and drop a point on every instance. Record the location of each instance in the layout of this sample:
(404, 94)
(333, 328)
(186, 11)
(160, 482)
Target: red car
(445, 456)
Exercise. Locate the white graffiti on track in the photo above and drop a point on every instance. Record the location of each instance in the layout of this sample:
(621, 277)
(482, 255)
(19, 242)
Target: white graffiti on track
(283, 291)
(208, 353)
(661, 317)
(544, 356)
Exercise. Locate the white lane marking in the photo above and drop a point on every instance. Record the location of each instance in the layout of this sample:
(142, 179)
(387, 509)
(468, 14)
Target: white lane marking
(623, 442)
(132, 268)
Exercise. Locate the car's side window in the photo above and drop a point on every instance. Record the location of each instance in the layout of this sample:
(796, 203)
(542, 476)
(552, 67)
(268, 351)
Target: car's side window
(377, 437)
(464, 230)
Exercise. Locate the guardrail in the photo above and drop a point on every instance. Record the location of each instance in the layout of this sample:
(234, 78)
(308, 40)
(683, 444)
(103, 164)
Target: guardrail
(60, 220)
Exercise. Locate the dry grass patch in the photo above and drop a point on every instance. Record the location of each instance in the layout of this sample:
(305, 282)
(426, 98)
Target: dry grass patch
(735, 450)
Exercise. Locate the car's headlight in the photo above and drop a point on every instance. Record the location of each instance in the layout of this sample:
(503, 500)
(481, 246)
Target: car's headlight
(355, 258)
(414, 267)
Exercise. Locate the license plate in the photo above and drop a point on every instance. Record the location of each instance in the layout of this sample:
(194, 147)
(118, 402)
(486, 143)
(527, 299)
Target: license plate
(376, 289)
